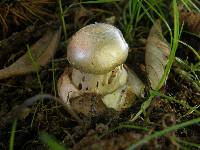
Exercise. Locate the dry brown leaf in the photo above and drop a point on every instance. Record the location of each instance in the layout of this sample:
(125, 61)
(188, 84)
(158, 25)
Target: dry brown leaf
(41, 52)
(156, 55)
(191, 20)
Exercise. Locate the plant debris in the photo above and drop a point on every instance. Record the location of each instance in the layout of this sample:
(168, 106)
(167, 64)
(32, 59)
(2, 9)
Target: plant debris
(18, 12)
(191, 19)
(38, 55)
(156, 55)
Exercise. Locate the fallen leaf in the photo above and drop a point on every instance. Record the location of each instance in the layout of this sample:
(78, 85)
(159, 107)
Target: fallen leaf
(156, 55)
(38, 55)
(190, 19)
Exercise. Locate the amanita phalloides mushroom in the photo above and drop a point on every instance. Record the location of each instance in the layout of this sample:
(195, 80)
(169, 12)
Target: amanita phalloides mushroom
(97, 53)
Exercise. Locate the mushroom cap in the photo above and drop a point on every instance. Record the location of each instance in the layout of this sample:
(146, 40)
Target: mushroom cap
(97, 48)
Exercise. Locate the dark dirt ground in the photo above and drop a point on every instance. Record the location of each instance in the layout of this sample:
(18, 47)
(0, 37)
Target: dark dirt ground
(49, 116)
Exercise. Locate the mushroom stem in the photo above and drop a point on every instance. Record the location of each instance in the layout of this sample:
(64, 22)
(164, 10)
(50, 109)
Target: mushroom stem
(120, 99)
(124, 96)
(100, 84)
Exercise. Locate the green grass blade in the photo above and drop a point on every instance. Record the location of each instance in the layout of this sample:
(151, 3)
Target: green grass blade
(124, 126)
(191, 48)
(38, 78)
(66, 8)
(155, 93)
(146, 12)
(190, 144)
(174, 45)
(163, 132)
(12, 137)
(53, 77)
(161, 17)
(62, 19)
(36, 66)
(144, 106)
(51, 142)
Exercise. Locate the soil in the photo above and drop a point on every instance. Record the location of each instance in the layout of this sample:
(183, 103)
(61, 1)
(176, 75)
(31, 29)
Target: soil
(95, 132)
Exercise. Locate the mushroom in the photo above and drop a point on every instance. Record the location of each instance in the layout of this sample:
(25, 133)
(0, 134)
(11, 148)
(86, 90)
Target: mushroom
(97, 53)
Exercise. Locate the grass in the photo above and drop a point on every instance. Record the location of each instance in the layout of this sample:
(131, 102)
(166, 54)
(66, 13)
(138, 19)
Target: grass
(38, 78)
(186, 143)
(171, 99)
(53, 78)
(163, 132)
(175, 43)
(191, 48)
(36, 66)
(12, 136)
(190, 5)
(62, 19)
(67, 8)
(162, 17)
(174, 47)
(189, 72)
(131, 16)
(124, 126)
(51, 142)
